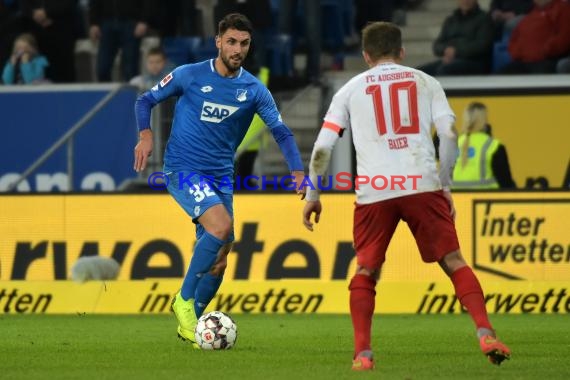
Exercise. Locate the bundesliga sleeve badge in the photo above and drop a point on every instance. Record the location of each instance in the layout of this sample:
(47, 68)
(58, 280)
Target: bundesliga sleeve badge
(165, 80)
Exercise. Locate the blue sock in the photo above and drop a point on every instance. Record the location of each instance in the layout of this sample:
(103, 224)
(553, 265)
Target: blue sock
(206, 290)
(205, 254)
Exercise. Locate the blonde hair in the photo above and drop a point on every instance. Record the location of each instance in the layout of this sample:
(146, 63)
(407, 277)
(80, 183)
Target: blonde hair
(29, 39)
(474, 120)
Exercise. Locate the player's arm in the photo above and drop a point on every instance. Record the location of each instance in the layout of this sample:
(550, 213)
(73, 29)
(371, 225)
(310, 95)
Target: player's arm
(447, 148)
(283, 136)
(321, 156)
(336, 120)
(444, 120)
(171, 85)
(320, 159)
(447, 155)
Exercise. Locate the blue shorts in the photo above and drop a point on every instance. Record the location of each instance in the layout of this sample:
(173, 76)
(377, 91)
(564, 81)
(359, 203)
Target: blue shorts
(195, 196)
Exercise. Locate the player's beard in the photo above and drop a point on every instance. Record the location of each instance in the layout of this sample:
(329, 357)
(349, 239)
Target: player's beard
(232, 65)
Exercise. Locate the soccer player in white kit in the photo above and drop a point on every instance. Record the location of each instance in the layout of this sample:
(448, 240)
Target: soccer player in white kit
(390, 109)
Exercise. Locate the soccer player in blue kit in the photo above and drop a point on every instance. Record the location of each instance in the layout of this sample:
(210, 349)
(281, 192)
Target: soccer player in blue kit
(217, 101)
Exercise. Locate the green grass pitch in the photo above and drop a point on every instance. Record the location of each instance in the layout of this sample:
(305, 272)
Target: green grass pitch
(292, 347)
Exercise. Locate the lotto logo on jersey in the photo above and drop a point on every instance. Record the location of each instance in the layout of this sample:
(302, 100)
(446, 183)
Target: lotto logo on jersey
(215, 113)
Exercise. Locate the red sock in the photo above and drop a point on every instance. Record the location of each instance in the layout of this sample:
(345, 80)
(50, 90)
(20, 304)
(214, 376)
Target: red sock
(362, 303)
(468, 291)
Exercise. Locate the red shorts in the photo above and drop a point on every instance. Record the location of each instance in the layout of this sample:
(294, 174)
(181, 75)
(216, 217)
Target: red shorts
(427, 215)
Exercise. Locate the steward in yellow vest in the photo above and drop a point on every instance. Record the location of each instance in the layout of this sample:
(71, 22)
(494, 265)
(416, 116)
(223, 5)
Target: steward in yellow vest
(482, 162)
(477, 172)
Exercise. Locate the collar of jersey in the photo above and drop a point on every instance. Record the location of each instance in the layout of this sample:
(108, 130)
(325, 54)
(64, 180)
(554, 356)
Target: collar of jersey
(213, 68)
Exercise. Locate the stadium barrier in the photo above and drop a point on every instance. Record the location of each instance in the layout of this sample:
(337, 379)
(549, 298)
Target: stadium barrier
(276, 297)
(276, 266)
(515, 236)
(98, 157)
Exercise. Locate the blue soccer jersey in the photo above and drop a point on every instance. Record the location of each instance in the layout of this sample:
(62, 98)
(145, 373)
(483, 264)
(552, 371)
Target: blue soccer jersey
(212, 116)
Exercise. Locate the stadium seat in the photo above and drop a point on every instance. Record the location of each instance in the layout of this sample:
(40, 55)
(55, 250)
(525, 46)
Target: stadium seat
(280, 54)
(205, 50)
(333, 23)
(180, 50)
(501, 56)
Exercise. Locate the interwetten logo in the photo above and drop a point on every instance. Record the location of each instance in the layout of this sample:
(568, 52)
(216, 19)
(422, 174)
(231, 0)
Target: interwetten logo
(344, 181)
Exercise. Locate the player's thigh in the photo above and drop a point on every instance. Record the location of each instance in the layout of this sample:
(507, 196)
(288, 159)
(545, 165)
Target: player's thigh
(429, 220)
(374, 225)
(195, 198)
(223, 211)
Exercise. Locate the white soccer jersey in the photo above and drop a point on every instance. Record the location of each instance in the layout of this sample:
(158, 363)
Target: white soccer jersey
(390, 110)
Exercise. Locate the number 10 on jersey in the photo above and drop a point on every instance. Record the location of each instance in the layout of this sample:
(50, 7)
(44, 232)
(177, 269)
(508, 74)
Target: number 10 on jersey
(402, 102)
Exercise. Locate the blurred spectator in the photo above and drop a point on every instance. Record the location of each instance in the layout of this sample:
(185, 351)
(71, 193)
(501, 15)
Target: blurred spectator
(483, 162)
(118, 25)
(156, 68)
(26, 65)
(53, 24)
(259, 13)
(506, 14)
(10, 26)
(313, 30)
(465, 42)
(540, 39)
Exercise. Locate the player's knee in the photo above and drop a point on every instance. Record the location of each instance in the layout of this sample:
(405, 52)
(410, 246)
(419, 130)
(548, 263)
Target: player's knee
(221, 229)
(452, 262)
(365, 278)
(370, 270)
(362, 281)
(226, 248)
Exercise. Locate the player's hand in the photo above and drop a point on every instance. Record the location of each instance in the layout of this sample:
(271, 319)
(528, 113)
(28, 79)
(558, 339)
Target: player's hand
(143, 149)
(448, 54)
(311, 207)
(447, 195)
(299, 178)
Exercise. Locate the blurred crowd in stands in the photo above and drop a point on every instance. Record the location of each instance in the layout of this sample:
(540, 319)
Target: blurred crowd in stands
(512, 37)
(39, 38)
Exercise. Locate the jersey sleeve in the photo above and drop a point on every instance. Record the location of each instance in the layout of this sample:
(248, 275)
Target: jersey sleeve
(172, 84)
(439, 104)
(267, 109)
(337, 117)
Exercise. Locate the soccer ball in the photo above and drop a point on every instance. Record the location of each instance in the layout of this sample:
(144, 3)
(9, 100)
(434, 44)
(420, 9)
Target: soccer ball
(216, 331)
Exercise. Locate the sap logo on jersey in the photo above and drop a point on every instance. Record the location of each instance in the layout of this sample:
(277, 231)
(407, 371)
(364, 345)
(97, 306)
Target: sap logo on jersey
(215, 113)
